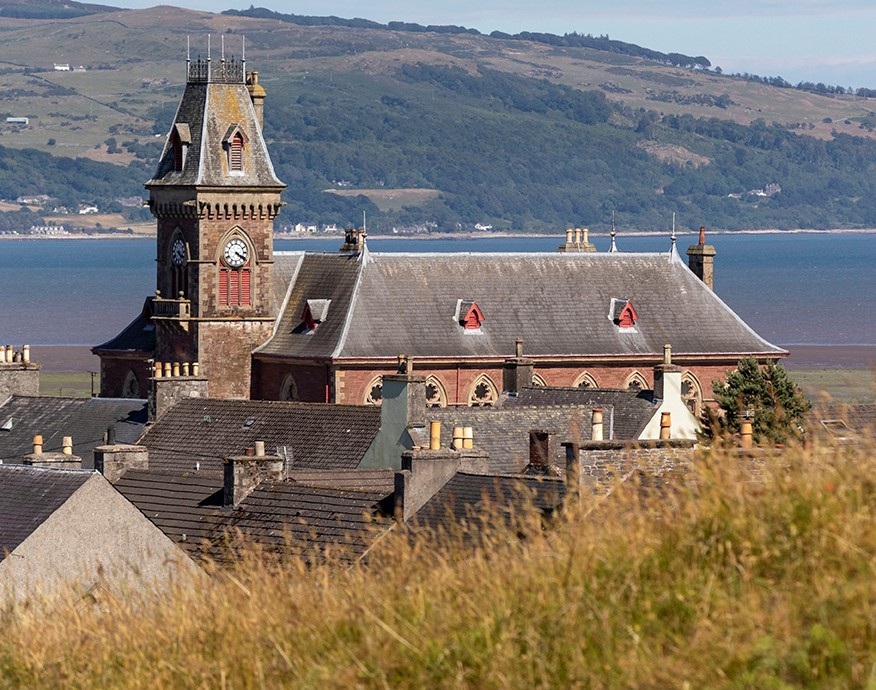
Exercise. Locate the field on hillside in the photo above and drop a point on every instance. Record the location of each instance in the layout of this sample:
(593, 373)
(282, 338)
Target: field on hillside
(734, 575)
(390, 199)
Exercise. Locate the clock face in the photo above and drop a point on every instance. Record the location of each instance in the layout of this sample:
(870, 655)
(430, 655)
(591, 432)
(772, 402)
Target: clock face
(178, 252)
(236, 253)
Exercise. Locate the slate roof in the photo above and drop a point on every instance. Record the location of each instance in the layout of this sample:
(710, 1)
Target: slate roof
(28, 496)
(844, 420)
(85, 419)
(626, 412)
(472, 497)
(137, 336)
(210, 109)
(381, 479)
(279, 516)
(386, 304)
(309, 435)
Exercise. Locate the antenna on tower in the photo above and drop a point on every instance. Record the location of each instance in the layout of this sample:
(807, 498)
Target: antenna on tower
(209, 53)
(243, 57)
(222, 39)
(188, 48)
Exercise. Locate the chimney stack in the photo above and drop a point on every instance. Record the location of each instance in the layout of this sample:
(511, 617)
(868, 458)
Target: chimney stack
(243, 473)
(701, 260)
(114, 459)
(517, 371)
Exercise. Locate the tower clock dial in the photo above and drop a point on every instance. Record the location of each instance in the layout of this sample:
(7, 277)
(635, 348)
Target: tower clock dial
(236, 253)
(178, 252)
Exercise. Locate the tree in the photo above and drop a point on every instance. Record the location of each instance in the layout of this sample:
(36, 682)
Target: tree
(766, 395)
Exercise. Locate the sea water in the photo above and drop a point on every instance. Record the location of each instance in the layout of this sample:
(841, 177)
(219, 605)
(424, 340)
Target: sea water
(792, 288)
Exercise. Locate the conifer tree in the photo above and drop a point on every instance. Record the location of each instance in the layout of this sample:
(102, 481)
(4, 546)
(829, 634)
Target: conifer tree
(764, 394)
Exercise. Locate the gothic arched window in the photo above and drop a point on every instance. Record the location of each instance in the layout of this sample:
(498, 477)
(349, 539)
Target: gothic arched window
(483, 392)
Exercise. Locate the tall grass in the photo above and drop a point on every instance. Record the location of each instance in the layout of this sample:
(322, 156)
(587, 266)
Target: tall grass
(726, 577)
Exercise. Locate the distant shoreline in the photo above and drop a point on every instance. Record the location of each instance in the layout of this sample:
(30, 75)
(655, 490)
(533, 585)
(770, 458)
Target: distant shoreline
(465, 235)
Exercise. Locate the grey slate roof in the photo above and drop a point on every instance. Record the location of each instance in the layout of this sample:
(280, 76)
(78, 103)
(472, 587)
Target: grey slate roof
(28, 496)
(85, 419)
(137, 336)
(209, 110)
(472, 497)
(281, 516)
(386, 304)
(626, 412)
(381, 479)
(310, 435)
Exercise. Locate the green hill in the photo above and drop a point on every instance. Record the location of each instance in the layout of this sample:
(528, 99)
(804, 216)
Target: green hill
(527, 132)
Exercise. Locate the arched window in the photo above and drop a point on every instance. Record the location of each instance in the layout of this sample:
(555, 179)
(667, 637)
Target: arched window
(585, 380)
(636, 382)
(538, 381)
(692, 393)
(436, 395)
(289, 389)
(131, 386)
(483, 392)
(178, 252)
(374, 391)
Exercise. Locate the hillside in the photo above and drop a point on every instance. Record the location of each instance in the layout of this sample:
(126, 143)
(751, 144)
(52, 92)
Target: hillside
(444, 129)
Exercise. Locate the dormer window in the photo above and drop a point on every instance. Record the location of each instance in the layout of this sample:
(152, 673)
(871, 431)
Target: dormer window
(623, 314)
(180, 140)
(234, 142)
(315, 312)
(469, 315)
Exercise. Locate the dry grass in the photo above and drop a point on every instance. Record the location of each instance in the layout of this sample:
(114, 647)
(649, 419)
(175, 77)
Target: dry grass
(729, 579)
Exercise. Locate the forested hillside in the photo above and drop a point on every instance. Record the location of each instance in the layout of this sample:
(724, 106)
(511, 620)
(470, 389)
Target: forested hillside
(441, 127)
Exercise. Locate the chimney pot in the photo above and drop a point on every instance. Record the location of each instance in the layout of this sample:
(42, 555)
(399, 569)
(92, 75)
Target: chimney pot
(168, 369)
(185, 369)
(67, 445)
(434, 435)
(260, 449)
(249, 452)
(665, 425)
(176, 370)
(25, 351)
(518, 347)
(195, 368)
(157, 369)
(667, 354)
(746, 434)
(457, 438)
(597, 432)
(37, 444)
(467, 437)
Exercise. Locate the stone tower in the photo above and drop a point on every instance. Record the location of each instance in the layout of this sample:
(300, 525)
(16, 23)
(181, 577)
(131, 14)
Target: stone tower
(215, 196)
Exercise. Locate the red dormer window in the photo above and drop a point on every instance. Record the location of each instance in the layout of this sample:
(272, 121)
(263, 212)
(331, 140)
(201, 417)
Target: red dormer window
(314, 313)
(234, 142)
(180, 139)
(623, 313)
(469, 315)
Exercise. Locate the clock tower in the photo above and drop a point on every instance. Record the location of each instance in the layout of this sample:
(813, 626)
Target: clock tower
(215, 196)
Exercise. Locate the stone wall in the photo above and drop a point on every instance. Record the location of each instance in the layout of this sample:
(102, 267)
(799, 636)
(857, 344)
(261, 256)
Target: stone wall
(19, 379)
(602, 461)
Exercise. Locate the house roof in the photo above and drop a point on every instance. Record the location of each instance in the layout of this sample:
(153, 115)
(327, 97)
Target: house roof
(386, 304)
(280, 516)
(28, 496)
(380, 479)
(84, 419)
(200, 432)
(468, 497)
(210, 109)
(627, 412)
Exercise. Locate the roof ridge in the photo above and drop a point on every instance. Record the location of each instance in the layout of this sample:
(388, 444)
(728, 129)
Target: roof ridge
(342, 341)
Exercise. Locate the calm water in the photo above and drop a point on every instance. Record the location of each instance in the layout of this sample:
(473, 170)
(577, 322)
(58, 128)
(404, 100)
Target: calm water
(793, 289)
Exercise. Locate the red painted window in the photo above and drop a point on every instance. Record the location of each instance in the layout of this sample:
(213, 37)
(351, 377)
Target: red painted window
(235, 153)
(628, 316)
(471, 316)
(177, 145)
(235, 286)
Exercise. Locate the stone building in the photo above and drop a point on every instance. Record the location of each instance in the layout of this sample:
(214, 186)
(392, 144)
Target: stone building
(325, 327)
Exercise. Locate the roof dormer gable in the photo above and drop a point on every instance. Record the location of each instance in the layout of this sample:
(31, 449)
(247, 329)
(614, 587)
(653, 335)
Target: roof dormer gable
(623, 314)
(234, 141)
(469, 315)
(314, 313)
